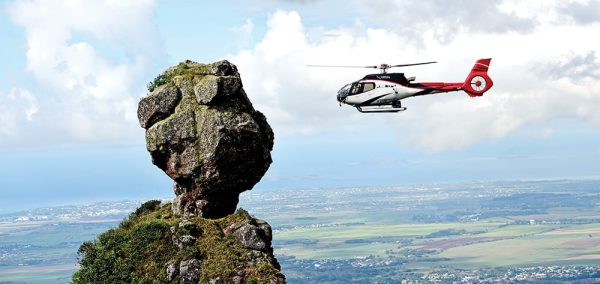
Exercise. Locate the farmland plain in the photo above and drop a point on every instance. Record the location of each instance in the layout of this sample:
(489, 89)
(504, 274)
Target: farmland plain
(493, 231)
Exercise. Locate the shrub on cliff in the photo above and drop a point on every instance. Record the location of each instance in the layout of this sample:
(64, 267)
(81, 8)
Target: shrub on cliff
(154, 246)
(130, 253)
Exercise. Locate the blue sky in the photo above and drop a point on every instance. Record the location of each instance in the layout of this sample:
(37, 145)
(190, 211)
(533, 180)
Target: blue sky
(72, 73)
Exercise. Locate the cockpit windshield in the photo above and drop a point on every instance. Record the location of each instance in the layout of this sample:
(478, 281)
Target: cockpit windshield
(343, 92)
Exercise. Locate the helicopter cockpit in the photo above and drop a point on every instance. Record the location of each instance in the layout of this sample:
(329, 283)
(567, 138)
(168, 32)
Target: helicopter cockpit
(354, 89)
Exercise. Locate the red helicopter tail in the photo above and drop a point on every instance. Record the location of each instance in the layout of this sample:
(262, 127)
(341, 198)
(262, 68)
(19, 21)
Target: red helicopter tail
(478, 81)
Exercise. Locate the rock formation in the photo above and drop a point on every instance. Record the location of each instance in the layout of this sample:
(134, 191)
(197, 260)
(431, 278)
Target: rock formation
(203, 132)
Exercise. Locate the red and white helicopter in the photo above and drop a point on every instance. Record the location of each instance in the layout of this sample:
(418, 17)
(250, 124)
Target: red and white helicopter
(383, 92)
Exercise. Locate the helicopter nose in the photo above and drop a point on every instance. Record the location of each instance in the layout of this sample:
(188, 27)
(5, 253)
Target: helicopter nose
(341, 97)
(343, 93)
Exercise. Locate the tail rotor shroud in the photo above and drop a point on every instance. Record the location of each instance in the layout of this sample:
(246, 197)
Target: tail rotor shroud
(478, 81)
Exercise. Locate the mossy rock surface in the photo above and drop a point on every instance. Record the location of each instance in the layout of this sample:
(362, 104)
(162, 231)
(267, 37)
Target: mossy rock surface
(204, 133)
(155, 246)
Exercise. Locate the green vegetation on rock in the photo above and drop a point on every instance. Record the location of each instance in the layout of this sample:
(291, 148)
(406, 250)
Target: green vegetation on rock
(181, 69)
(153, 240)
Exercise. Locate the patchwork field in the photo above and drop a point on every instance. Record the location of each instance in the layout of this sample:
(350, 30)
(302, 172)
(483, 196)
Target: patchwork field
(480, 245)
(536, 249)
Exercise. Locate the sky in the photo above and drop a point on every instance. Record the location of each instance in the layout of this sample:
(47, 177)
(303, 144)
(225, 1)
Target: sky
(72, 72)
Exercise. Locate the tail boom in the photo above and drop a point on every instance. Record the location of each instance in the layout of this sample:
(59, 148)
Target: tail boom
(476, 84)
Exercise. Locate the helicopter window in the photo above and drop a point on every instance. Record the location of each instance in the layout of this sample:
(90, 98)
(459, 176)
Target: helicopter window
(358, 88)
(355, 88)
(368, 86)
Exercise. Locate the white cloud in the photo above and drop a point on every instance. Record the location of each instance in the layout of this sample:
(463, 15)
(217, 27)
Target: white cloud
(297, 99)
(90, 60)
(444, 19)
(244, 33)
(584, 13)
(576, 67)
(17, 108)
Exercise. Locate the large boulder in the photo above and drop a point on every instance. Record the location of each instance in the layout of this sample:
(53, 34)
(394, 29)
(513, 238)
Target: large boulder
(190, 271)
(203, 132)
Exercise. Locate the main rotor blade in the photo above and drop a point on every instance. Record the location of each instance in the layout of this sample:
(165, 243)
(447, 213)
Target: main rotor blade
(413, 64)
(343, 66)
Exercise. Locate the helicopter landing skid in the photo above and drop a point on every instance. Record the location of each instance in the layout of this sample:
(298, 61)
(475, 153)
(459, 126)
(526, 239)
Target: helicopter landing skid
(381, 108)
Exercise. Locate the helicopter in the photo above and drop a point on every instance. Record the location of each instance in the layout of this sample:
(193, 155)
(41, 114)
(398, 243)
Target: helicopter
(383, 92)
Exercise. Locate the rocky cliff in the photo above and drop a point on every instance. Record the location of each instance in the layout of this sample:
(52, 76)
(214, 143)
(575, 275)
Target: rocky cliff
(204, 133)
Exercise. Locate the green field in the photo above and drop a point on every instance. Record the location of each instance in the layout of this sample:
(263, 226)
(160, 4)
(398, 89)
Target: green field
(332, 242)
(379, 230)
(568, 244)
(486, 244)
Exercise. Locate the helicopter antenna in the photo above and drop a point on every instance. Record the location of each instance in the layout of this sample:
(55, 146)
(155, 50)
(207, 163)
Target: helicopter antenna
(382, 67)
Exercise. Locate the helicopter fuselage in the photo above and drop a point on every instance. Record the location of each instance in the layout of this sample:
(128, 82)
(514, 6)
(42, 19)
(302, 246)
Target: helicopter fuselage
(383, 92)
